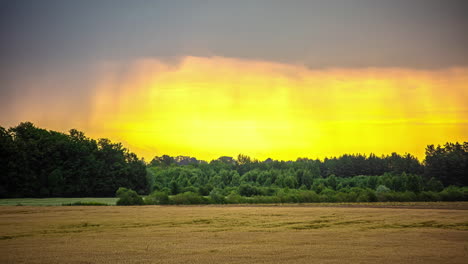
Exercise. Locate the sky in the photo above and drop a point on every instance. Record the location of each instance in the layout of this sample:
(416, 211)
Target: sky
(279, 79)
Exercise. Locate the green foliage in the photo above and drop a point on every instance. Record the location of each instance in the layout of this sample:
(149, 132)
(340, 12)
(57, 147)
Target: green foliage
(434, 185)
(234, 198)
(429, 196)
(157, 198)
(307, 197)
(366, 196)
(128, 197)
(217, 196)
(328, 195)
(190, 189)
(205, 189)
(454, 193)
(40, 163)
(349, 178)
(79, 203)
(382, 189)
(175, 189)
(249, 190)
(448, 163)
(188, 198)
(263, 200)
(332, 182)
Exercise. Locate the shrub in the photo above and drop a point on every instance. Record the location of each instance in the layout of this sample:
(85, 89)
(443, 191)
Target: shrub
(249, 190)
(365, 196)
(188, 198)
(328, 195)
(287, 196)
(157, 198)
(382, 189)
(383, 193)
(346, 197)
(397, 197)
(428, 197)
(408, 196)
(217, 196)
(190, 189)
(308, 197)
(453, 193)
(128, 197)
(384, 197)
(234, 198)
(434, 185)
(205, 189)
(372, 196)
(156, 187)
(267, 191)
(265, 199)
(318, 187)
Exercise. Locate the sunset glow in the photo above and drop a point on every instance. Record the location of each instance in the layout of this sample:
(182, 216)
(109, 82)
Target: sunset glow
(212, 106)
(268, 79)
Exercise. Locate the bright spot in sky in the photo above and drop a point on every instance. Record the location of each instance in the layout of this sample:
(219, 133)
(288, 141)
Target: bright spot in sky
(212, 106)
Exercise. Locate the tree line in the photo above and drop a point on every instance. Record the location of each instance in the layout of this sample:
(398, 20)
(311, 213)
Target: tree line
(447, 165)
(42, 163)
(348, 178)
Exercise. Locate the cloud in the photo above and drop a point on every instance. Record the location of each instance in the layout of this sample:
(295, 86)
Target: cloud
(211, 106)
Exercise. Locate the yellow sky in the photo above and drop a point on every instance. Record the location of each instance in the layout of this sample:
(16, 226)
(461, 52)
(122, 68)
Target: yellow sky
(213, 106)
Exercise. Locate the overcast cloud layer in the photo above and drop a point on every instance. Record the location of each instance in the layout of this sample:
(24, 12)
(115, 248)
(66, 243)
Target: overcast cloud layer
(53, 52)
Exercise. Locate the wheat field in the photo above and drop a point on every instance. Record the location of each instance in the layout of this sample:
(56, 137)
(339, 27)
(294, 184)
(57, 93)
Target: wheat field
(427, 233)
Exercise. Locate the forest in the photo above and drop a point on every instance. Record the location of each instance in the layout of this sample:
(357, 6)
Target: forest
(36, 162)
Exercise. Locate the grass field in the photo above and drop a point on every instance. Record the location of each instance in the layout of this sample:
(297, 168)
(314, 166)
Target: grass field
(55, 201)
(422, 233)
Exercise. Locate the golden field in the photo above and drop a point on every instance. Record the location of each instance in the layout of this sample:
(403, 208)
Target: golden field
(412, 233)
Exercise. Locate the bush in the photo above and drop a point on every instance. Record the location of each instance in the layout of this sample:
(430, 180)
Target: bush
(397, 197)
(248, 190)
(428, 197)
(217, 196)
(190, 189)
(366, 196)
(157, 198)
(346, 197)
(308, 197)
(328, 195)
(267, 191)
(372, 196)
(265, 199)
(205, 189)
(453, 193)
(234, 198)
(188, 198)
(287, 196)
(434, 185)
(318, 187)
(128, 197)
(383, 194)
(382, 189)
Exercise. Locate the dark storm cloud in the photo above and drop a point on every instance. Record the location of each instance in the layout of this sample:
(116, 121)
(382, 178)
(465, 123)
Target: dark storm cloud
(69, 38)
(345, 33)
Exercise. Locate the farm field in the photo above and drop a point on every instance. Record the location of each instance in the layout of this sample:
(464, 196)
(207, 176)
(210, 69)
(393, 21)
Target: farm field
(56, 201)
(411, 233)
